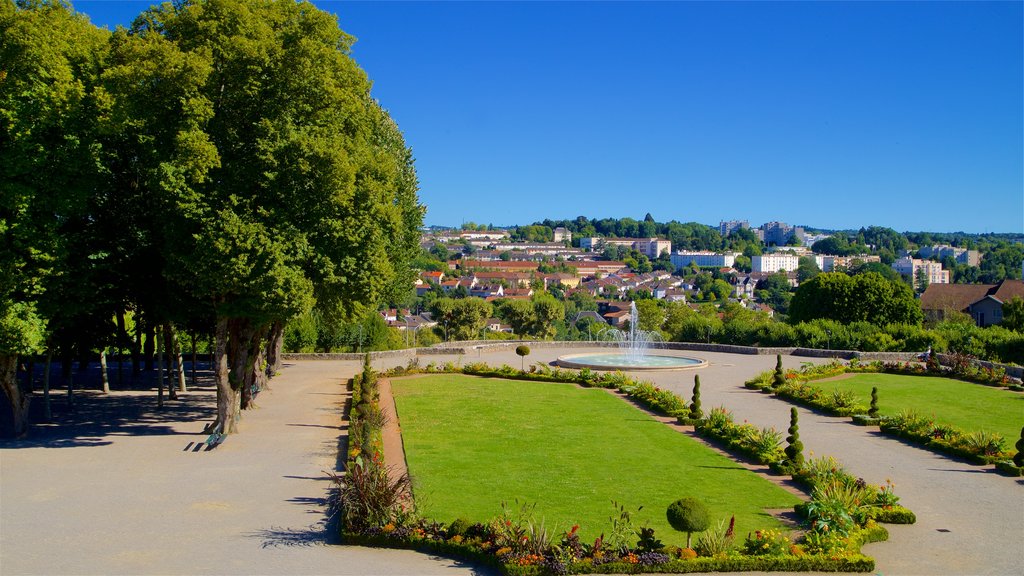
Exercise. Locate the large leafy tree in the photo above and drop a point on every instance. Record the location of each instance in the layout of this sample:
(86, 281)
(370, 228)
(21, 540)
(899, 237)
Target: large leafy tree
(867, 297)
(314, 194)
(49, 62)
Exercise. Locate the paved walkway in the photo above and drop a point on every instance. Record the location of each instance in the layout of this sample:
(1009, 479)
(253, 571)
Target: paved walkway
(117, 492)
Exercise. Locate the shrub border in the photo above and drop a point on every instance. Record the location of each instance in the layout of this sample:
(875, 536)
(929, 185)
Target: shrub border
(823, 406)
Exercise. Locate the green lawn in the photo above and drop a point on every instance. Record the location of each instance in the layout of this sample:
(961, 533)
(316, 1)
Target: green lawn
(965, 405)
(473, 442)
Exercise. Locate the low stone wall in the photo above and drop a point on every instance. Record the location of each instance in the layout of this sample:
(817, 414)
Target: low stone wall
(466, 347)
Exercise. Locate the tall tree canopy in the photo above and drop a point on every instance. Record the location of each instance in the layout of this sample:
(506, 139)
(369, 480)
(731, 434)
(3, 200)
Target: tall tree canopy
(865, 297)
(238, 142)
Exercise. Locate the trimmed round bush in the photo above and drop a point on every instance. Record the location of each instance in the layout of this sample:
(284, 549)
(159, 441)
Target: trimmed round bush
(523, 351)
(688, 515)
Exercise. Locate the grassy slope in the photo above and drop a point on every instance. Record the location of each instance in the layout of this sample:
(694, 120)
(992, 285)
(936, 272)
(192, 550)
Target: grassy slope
(962, 404)
(472, 443)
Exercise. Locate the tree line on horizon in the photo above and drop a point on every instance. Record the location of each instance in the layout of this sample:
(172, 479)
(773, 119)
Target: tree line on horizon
(219, 167)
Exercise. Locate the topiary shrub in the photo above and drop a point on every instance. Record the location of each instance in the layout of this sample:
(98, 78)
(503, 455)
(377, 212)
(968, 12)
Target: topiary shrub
(458, 527)
(688, 515)
(1018, 460)
(795, 449)
(523, 351)
(873, 411)
(695, 411)
(780, 376)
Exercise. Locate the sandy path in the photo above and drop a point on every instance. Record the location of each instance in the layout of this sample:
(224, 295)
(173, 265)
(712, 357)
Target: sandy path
(112, 495)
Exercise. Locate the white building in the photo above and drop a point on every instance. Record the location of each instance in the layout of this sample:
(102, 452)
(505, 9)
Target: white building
(650, 247)
(562, 235)
(774, 263)
(908, 266)
(829, 263)
(704, 259)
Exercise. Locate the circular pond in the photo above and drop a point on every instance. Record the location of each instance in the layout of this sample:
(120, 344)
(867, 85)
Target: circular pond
(613, 361)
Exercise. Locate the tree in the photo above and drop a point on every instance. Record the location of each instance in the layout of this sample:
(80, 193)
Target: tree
(314, 193)
(688, 515)
(51, 58)
(920, 280)
(807, 269)
(650, 314)
(866, 297)
(522, 351)
(546, 311)
(1013, 314)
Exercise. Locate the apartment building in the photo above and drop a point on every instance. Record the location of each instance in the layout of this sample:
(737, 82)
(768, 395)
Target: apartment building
(704, 259)
(908, 266)
(774, 263)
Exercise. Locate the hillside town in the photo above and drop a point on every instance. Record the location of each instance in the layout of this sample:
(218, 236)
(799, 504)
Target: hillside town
(758, 273)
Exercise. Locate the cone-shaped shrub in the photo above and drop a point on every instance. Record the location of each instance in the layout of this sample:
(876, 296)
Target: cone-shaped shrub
(1018, 460)
(780, 376)
(873, 411)
(795, 449)
(695, 411)
(688, 515)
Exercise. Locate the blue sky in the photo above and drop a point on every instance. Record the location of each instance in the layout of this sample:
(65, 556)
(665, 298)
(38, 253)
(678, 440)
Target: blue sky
(833, 115)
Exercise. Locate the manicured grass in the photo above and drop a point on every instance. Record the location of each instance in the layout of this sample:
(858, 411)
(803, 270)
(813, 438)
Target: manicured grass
(472, 443)
(965, 405)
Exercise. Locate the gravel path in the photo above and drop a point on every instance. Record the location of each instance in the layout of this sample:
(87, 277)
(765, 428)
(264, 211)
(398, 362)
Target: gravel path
(114, 490)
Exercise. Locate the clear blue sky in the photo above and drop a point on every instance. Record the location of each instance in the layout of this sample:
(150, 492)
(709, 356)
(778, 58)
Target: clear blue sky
(834, 115)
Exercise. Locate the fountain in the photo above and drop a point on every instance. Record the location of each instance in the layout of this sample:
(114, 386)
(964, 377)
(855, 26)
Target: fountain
(633, 355)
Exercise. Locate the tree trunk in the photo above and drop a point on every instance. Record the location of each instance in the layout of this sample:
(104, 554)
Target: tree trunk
(17, 401)
(274, 343)
(228, 397)
(103, 371)
(46, 384)
(248, 366)
(149, 348)
(193, 374)
(122, 343)
(159, 373)
(136, 349)
(168, 339)
(179, 363)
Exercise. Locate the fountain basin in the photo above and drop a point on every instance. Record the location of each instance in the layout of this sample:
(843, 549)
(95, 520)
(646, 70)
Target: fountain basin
(616, 361)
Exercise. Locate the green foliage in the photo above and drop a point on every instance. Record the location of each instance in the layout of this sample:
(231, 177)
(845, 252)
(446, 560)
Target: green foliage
(865, 297)
(767, 543)
(695, 410)
(873, 411)
(794, 448)
(688, 515)
(1018, 458)
(779, 379)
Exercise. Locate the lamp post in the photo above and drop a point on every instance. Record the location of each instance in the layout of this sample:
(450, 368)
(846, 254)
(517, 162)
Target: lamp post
(828, 339)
